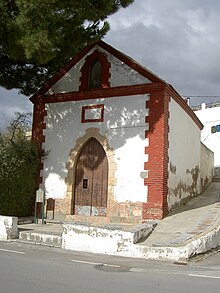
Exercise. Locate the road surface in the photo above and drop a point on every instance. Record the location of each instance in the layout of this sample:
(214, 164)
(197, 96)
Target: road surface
(26, 268)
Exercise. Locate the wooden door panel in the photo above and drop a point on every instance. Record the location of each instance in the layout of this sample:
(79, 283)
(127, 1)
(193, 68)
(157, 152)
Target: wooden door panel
(91, 180)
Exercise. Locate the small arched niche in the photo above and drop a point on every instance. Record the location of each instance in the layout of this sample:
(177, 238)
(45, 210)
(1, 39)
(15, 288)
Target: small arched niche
(95, 75)
(95, 72)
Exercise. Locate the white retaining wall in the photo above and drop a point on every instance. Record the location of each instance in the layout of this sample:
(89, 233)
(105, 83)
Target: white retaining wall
(206, 166)
(8, 227)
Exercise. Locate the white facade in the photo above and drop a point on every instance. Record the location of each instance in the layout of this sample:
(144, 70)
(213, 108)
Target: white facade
(210, 116)
(124, 127)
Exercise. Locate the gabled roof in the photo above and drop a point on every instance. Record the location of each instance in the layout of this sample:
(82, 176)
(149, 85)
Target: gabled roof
(121, 56)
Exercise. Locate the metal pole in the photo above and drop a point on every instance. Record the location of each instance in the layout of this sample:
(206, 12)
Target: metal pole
(35, 210)
(43, 208)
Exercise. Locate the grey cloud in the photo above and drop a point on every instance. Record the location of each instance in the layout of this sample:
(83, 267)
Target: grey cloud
(11, 102)
(178, 40)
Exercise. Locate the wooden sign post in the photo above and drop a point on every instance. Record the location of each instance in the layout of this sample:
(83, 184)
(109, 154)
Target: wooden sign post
(40, 197)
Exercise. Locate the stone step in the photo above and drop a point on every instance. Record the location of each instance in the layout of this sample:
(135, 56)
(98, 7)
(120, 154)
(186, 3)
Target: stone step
(41, 234)
(52, 240)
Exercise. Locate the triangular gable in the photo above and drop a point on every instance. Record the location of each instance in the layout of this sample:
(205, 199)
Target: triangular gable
(119, 55)
(131, 63)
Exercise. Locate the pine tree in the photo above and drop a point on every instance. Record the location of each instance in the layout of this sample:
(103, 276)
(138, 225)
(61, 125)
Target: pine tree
(37, 37)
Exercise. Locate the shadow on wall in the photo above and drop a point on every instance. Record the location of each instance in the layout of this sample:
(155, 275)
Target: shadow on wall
(64, 127)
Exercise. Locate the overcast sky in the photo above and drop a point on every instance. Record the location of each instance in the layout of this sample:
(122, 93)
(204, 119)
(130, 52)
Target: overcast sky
(179, 40)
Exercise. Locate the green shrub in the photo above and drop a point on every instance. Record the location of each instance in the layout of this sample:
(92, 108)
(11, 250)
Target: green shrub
(19, 163)
(18, 179)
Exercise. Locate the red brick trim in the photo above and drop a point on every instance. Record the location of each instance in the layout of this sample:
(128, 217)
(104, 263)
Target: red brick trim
(38, 127)
(84, 108)
(85, 70)
(157, 165)
(104, 93)
(123, 91)
(146, 134)
(174, 94)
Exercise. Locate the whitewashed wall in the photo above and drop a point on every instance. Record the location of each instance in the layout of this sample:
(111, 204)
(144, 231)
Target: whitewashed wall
(121, 74)
(124, 126)
(210, 117)
(206, 166)
(184, 155)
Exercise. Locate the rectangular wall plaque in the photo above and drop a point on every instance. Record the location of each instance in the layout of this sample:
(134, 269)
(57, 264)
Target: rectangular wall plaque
(92, 113)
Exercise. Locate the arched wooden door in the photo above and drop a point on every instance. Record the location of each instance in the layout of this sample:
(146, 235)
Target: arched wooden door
(91, 180)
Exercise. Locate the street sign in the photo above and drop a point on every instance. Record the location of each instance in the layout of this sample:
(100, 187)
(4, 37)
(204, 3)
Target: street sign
(215, 128)
(40, 198)
(40, 195)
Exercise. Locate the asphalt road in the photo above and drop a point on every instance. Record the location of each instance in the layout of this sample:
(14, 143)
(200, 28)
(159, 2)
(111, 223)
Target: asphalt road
(35, 269)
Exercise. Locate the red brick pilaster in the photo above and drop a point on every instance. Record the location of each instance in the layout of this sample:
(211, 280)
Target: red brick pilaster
(38, 127)
(157, 165)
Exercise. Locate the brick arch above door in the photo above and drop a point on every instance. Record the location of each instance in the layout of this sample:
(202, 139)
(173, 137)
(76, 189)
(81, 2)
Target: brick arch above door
(71, 165)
